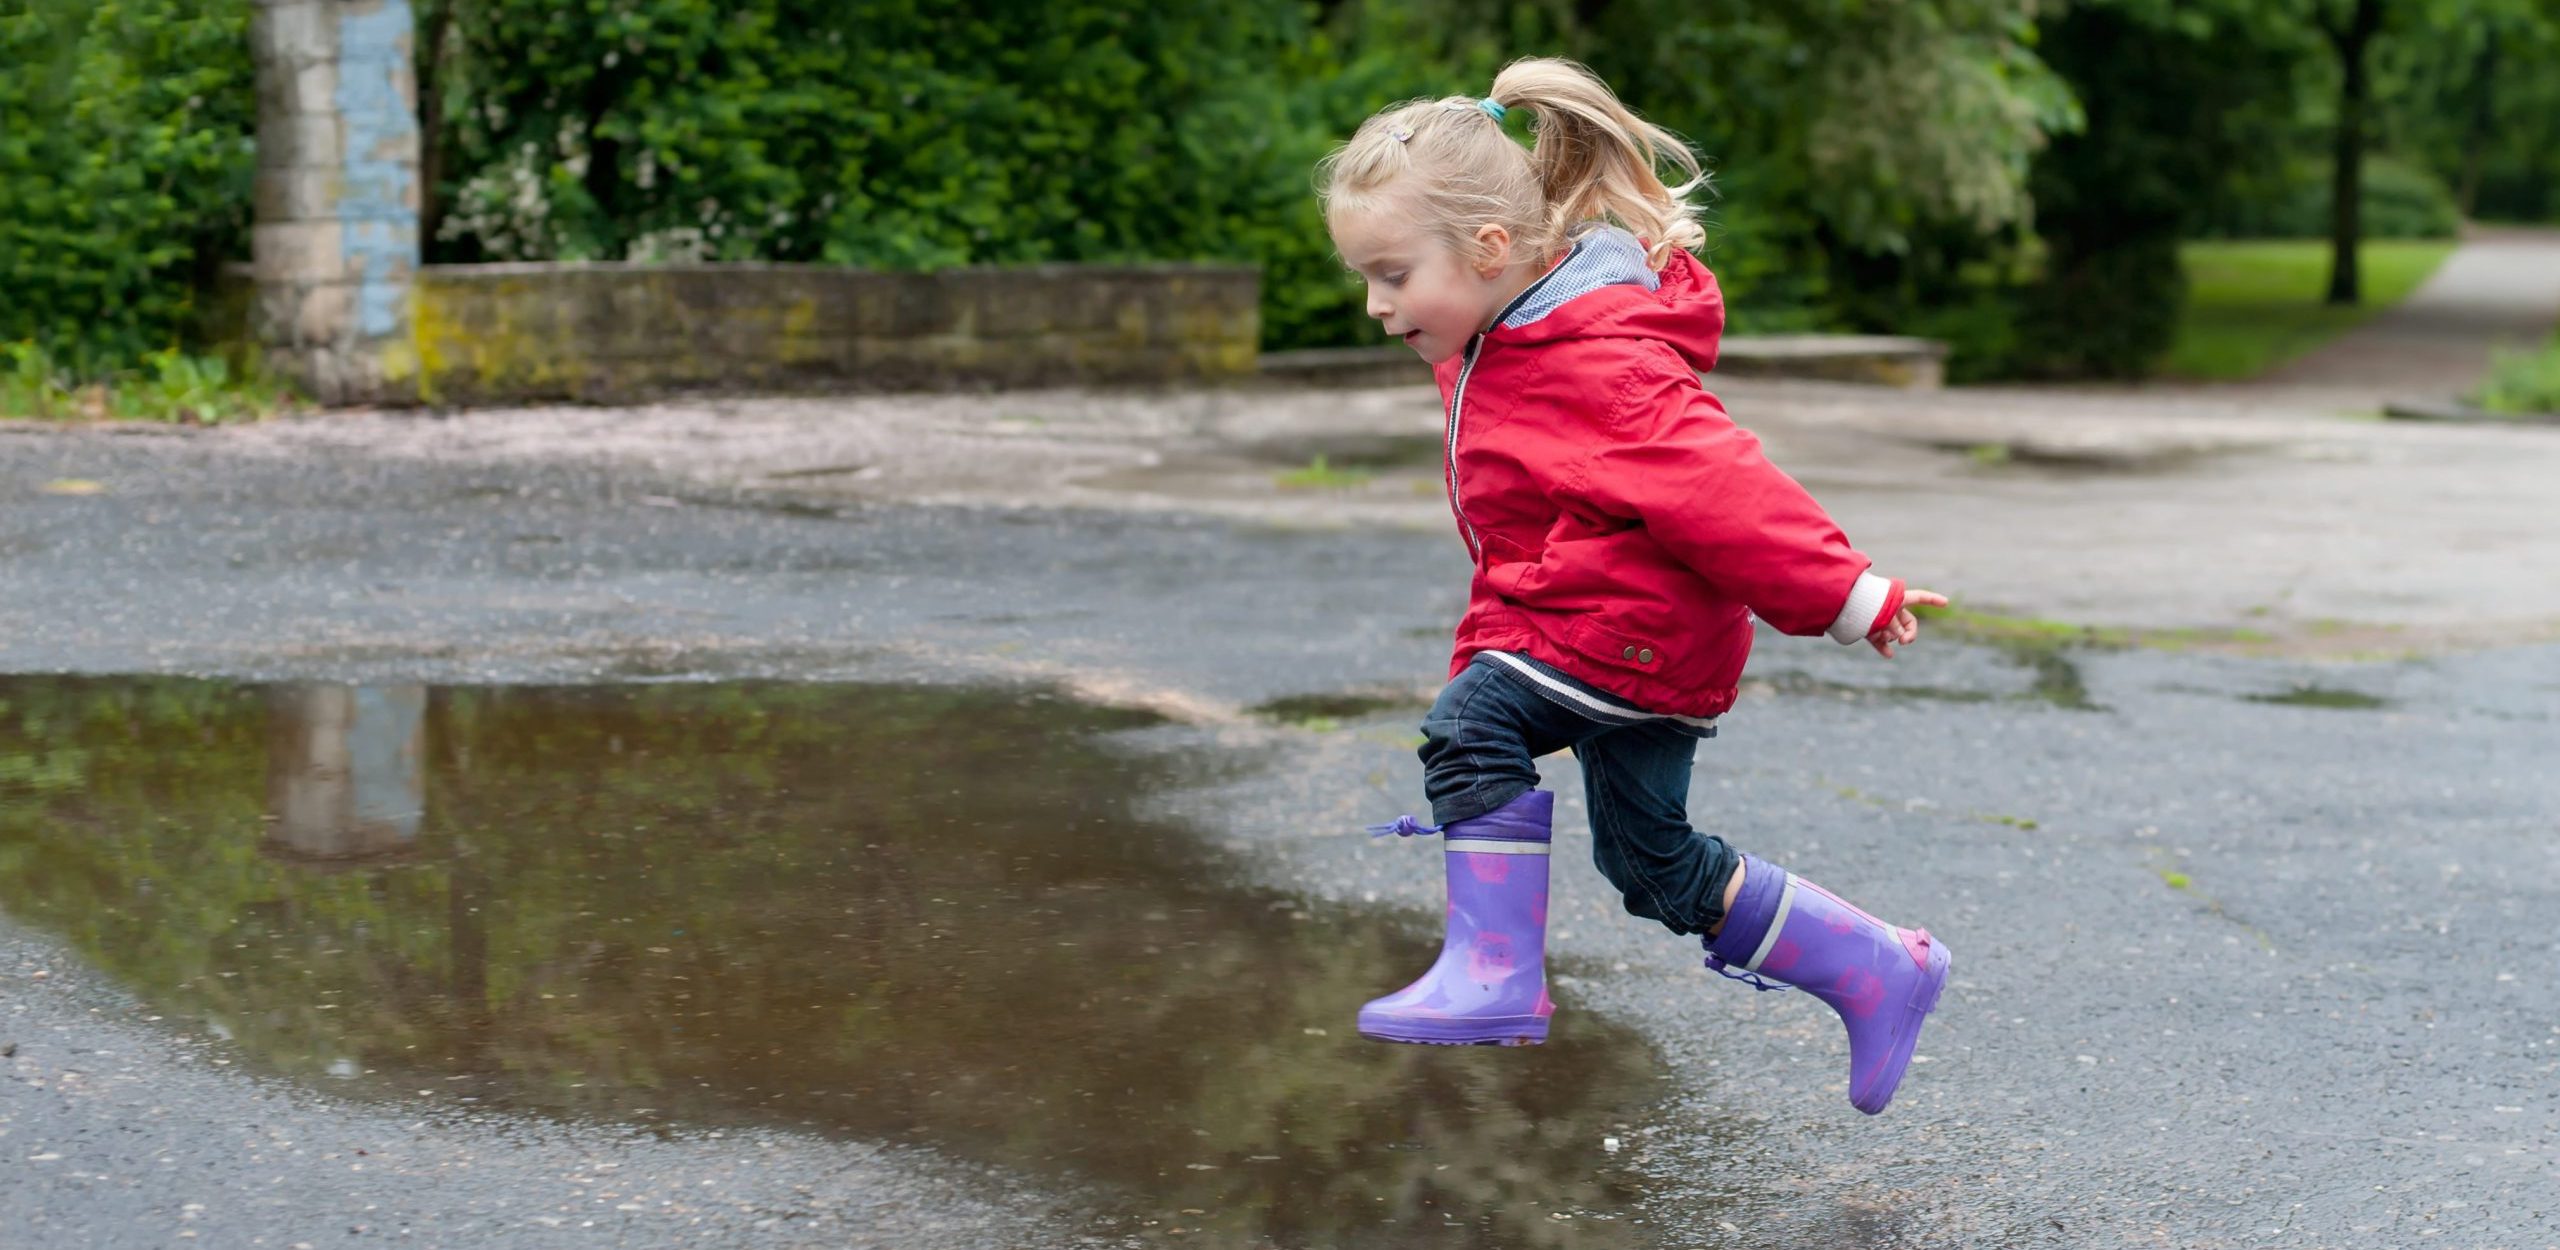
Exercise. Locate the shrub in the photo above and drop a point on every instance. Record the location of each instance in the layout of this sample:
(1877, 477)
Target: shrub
(167, 385)
(890, 135)
(126, 154)
(2108, 200)
(2107, 314)
(2526, 381)
(1981, 333)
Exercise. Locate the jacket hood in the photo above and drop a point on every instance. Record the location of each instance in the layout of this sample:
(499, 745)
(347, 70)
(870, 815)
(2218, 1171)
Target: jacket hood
(1604, 289)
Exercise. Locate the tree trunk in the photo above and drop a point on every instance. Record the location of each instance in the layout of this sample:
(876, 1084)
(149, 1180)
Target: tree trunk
(431, 137)
(604, 169)
(2346, 187)
(2475, 139)
(467, 940)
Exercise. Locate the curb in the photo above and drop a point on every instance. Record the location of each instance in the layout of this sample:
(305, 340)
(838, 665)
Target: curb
(2456, 413)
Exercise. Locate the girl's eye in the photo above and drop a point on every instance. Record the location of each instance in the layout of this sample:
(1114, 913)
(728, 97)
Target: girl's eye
(1395, 279)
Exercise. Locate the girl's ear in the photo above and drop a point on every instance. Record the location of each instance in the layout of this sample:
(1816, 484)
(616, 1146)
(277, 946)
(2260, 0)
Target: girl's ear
(1493, 251)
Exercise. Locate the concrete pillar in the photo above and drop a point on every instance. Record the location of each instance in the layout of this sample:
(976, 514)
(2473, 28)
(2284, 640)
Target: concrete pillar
(335, 244)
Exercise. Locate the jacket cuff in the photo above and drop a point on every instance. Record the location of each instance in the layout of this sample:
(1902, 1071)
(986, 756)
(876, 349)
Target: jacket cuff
(1872, 601)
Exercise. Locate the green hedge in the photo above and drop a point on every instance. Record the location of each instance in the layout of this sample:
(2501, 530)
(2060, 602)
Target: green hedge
(126, 154)
(894, 134)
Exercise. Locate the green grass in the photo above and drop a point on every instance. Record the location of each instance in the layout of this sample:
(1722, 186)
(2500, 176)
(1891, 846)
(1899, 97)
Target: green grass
(171, 386)
(2029, 633)
(1322, 474)
(1958, 621)
(2523, 382)
(2253, 305)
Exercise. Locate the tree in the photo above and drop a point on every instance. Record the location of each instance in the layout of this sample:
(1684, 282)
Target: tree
(2176, 95)
(2472, 92)
(2350, 34)
(2472, 42)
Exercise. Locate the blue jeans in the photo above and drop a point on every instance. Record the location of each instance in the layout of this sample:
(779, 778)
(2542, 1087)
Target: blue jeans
(1480, 744)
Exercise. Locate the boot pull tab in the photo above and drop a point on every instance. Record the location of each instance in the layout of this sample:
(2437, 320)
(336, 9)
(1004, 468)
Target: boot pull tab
(1404, 826)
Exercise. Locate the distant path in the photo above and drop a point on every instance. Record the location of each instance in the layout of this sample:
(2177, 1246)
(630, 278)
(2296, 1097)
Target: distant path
(2501, 287)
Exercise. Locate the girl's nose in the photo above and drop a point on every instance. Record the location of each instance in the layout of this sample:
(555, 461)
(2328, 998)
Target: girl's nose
(1380, 309)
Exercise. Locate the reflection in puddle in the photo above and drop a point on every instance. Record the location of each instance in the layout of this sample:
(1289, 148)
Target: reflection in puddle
(345, 779)
(886, 912)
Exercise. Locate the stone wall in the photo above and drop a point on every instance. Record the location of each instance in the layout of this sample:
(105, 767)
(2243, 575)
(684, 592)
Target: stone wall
(609, 332)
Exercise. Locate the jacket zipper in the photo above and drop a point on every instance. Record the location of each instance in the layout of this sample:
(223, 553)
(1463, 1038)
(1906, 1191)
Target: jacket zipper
(1457, 398)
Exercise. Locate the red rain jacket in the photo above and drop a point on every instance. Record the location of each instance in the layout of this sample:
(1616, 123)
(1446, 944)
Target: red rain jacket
(1624, 529)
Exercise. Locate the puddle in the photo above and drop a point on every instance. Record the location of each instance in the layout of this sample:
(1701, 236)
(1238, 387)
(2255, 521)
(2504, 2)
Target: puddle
(1805, 685)
(2052, 677)
(2321, 696)
(2055, 679)
(1299, 709)
(922, 914)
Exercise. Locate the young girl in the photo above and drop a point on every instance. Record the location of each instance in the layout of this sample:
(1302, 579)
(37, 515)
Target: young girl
(1624, 533)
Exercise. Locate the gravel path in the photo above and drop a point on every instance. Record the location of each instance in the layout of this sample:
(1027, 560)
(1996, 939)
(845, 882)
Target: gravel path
(2500, 288)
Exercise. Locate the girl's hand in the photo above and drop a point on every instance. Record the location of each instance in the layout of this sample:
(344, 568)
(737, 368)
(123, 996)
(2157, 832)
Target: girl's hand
(1904, 628)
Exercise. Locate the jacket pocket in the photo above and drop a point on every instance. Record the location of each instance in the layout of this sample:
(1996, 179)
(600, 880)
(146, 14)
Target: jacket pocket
(1614, 648)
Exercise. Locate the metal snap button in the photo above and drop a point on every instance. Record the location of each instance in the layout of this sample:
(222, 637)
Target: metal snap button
(1645, 656)
(1628, 654)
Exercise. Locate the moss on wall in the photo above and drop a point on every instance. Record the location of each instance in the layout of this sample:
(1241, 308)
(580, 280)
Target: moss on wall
(494, 334)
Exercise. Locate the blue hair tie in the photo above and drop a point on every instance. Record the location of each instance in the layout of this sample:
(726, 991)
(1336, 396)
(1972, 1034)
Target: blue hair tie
(1491, 110)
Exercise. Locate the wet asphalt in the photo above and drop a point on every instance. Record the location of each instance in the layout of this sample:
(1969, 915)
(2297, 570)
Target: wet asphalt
(2248, 952)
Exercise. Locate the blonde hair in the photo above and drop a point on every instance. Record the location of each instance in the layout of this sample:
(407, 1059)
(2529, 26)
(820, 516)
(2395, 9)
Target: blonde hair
(1449, 163)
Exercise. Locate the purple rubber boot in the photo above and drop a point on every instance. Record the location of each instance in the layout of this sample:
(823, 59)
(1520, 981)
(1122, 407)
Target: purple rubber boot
(1489, 987)
(1882, 980)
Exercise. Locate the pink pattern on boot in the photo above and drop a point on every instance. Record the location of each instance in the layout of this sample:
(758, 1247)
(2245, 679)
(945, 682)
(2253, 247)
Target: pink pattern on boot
(1782, 957)
(1857, 993)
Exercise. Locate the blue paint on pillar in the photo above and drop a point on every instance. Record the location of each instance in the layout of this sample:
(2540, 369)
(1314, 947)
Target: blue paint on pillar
(377, 220)
(386, 759)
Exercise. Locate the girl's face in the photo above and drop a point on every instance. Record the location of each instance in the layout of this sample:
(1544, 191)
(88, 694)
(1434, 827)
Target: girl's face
(1419, 290)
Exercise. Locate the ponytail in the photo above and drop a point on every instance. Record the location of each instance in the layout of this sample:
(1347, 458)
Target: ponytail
(1595, 158)
(1448, 164)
